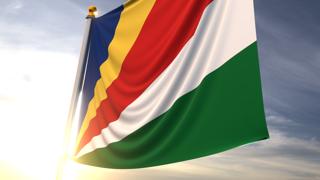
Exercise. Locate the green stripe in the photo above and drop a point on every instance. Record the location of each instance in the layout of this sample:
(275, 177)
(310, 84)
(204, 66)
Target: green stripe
(224, 112)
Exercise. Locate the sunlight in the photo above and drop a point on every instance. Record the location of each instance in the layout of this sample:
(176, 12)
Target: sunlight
(34, 100)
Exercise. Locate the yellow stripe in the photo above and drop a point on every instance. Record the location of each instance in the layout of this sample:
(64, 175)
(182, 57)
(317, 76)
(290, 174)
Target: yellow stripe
(130, 24)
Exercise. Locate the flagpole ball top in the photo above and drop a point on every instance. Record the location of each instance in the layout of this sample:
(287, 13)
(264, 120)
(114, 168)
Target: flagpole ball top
(92, 11)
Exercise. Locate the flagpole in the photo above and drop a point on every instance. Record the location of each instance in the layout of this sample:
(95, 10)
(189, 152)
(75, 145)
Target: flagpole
(77, 88)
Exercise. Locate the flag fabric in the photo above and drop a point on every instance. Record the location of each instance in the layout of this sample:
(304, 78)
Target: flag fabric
(168, 81)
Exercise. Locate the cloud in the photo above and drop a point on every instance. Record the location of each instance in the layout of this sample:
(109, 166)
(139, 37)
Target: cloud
(40, 25)
(13, 7)
(288, 42)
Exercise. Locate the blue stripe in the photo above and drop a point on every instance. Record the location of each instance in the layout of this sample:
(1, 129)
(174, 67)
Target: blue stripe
(101, 35)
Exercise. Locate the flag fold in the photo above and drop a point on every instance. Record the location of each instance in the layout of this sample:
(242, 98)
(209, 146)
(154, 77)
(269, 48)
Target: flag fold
(168, 81)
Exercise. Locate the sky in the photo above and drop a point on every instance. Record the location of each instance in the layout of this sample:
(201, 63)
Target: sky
(39, 48)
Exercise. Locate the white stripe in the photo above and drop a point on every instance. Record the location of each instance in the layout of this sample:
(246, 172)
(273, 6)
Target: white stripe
(226, 28)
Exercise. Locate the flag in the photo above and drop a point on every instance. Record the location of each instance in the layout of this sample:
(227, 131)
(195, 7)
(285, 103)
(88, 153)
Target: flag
(168, 81)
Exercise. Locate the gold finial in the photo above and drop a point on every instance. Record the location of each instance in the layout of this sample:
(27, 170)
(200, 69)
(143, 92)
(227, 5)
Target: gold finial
(92, 11)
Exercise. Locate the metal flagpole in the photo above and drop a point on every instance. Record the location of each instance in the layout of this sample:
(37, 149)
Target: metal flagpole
(78, 84)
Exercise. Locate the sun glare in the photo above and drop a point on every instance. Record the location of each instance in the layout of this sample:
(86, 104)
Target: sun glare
(34, 100)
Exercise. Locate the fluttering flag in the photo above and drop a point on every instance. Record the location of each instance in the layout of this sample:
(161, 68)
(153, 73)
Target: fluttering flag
(168, 81)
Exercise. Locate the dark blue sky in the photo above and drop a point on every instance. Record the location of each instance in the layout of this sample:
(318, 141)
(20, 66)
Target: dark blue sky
(289, 46)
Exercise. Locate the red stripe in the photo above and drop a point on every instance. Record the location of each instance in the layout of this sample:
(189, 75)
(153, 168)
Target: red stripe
(167, 29)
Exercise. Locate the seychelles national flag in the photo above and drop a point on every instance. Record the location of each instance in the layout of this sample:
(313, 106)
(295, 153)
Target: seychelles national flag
(170, 80)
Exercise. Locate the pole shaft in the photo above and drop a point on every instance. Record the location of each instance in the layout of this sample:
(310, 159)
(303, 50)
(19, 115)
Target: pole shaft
(78, 84)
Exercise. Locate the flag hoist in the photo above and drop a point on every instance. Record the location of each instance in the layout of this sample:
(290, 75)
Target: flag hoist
(67, 149)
